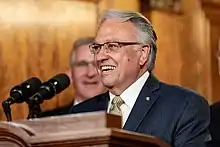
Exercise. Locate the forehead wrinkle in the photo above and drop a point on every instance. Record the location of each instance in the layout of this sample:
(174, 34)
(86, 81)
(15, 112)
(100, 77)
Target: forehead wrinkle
(108, 35)
(111, 34)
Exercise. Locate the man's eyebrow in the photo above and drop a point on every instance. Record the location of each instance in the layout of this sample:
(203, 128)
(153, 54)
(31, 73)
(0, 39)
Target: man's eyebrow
(85, 61)
(95, 42)
(82, 61)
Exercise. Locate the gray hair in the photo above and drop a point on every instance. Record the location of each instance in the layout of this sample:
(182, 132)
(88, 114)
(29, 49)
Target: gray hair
(78, 43)
(145, 32)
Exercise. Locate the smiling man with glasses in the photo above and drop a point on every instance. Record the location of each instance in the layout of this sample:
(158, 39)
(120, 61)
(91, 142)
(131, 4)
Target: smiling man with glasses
(124, 50)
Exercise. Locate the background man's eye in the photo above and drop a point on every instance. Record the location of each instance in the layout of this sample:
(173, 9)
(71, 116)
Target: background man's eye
(82, 63)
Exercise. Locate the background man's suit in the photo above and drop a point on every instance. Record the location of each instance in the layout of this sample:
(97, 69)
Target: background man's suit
(58, 111)
(176, 115)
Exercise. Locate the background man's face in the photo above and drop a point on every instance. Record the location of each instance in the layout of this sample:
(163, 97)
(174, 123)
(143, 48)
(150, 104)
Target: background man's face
(86, 81)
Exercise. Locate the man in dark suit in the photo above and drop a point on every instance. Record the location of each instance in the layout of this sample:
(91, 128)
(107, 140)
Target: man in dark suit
(85, 80)
(125, 52)
(214, 125)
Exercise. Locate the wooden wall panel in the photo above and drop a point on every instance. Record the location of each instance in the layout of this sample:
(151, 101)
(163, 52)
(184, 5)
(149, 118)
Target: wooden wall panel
(212, 14)
(35, 40)
(187, 45)
(133, 5)
(168, 63)
(180, 56)
(214, 47)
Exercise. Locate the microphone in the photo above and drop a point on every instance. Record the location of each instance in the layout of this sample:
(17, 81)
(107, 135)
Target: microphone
(46, 91)
(21, 93)
(50, 88)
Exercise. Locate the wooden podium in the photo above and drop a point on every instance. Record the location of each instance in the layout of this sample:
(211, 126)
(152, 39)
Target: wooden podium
(96, 129)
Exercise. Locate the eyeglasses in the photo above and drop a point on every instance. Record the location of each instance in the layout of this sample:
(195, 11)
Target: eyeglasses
(110, 46)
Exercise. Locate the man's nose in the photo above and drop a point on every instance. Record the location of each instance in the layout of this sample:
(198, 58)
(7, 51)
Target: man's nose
(91, 70)
(101, 55)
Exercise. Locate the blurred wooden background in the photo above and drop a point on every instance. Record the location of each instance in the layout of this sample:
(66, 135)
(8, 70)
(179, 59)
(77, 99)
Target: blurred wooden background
(37, 35)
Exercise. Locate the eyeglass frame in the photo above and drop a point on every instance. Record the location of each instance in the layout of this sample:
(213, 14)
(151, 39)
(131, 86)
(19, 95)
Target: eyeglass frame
(120, 45)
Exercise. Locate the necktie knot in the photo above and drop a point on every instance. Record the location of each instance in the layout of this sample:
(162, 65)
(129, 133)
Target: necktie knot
(118, 101)
(115, 106)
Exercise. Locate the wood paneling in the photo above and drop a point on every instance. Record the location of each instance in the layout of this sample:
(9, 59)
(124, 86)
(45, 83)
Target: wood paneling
(215, 76)
(35, 40)
(212, 14)
(187, 45)
(180, 54)
(133, 5)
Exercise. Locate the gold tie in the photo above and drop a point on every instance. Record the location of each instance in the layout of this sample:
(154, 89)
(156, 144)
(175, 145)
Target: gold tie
(115, 106)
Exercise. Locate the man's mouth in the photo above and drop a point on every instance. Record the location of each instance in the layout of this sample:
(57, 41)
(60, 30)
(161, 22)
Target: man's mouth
(106, 68)
(90, 83)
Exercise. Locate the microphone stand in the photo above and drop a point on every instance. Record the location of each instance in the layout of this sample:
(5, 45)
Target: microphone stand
(34, 107)
(6, 106)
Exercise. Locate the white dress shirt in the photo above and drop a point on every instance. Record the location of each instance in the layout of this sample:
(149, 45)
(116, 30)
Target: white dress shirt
(130, 96)
(75, 102)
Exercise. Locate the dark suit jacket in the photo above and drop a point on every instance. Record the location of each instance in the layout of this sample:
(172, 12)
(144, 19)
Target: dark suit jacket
(176, 115)
(215, 125)
(58, 111)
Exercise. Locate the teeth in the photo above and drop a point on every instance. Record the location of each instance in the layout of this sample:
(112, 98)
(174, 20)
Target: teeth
(107, 67)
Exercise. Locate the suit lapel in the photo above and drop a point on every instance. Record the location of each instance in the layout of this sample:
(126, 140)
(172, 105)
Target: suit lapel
(144, 102)
(102, 102)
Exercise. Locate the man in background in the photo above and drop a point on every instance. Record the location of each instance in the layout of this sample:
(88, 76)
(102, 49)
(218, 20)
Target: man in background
(86, 82)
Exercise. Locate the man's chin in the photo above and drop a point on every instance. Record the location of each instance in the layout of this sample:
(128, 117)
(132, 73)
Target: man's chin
(108, 84)
(92, 94)
(90, 86)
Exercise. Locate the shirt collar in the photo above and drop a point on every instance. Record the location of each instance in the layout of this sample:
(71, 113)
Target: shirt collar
(130, 95)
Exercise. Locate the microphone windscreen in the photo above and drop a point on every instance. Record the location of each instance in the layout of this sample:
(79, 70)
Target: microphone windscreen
(22, 92)
(60, 81)
(32, 85)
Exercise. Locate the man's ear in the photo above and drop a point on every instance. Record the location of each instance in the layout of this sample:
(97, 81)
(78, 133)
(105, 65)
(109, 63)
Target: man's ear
(145, 50)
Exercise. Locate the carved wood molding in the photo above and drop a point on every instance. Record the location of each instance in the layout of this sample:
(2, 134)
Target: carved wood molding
(97, 138)
(9, 134)
(211, 9)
